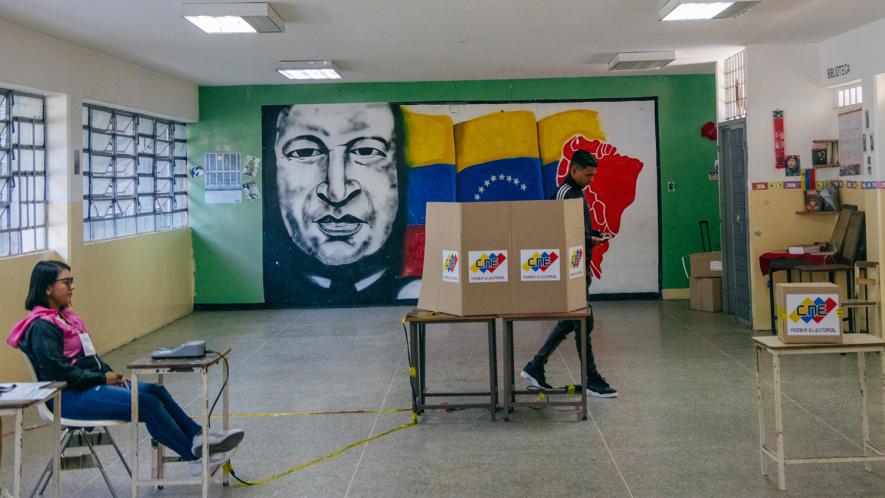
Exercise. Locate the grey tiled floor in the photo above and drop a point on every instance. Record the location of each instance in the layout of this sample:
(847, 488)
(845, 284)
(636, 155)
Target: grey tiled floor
(684, 425)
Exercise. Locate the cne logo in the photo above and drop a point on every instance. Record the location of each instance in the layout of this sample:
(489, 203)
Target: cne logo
(450, 263)
(576, 258)
(540, 261)
(815, 310)
(488, 263)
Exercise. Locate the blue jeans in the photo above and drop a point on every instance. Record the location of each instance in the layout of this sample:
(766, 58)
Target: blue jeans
(165, 420)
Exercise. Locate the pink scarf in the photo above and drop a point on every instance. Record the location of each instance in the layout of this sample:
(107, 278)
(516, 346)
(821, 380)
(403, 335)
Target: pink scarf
(72, 326)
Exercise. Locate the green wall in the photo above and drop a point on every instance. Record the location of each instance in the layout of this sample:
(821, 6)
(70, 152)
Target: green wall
(227, 237)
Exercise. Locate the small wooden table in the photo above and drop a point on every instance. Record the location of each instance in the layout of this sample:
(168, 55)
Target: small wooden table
(418, 321)
(147, 365)
(852, 343)
(510, 391)
(16, 407)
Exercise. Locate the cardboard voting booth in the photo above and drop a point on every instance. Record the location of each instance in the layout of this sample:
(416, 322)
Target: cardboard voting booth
(809, 313)
(504, 257)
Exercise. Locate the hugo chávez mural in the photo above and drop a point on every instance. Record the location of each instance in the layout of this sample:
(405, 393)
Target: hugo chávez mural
(346, 186)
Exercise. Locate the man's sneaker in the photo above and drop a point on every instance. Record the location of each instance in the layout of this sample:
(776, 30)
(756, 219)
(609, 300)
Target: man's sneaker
(215, 461)
(535, 376)
(599, 388)
(219, 442)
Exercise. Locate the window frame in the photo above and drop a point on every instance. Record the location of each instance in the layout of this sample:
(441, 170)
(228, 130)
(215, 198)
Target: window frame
(12, 177)
(735, 86)
(140, 147)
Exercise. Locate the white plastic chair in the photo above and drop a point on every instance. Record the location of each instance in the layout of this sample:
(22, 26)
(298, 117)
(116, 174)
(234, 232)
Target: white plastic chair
(84, 430)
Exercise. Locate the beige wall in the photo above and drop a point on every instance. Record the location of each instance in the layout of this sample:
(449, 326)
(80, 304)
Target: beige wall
(126, 287)
(775, 225)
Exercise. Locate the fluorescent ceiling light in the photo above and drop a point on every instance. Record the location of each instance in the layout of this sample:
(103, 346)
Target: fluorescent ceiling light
(308, 70)
(639, 61)
(694, 10)
(223, 18)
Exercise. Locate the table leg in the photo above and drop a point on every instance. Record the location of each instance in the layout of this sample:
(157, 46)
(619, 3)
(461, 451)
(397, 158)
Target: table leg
(17, 444)
(56, 443)
(779, 421)
(760, 401)
(861, 370)
(158, 454)
(225, 417)
(512, 365)
(422, 363)
(204, 375)
(771, 300)
(413, 365)
(133, 388)
(508, 368)
(585, 342)
(493, 370)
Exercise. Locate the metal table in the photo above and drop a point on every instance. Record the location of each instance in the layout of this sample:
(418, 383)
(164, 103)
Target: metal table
(510, 391)
(852, 343)
(16, 408)
(147, 365)
(418, 321)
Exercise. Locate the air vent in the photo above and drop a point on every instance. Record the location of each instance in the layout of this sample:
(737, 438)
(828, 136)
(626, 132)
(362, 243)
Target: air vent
(640, 61)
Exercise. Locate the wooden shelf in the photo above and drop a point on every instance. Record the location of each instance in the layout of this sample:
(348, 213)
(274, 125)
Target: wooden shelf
(813, 213)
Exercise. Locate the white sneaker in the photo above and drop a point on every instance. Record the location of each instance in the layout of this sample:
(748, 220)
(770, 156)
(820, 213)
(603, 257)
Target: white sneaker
(215, 461)
(219, 442)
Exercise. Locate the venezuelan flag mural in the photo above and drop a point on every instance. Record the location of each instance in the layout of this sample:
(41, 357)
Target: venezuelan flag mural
(497, 158)
(346, 186)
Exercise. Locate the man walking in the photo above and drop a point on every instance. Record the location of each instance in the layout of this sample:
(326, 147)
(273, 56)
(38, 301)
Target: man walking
(582, 168)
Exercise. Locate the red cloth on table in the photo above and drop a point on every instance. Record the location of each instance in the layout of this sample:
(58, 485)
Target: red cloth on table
(812, 259)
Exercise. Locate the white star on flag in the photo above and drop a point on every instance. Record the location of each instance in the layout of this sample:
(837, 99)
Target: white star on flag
(487, 183)
(494, 177)
(516, 181)
(476, 197)
(482, 189)
(523, 186)
(509, 178)
(500, 177)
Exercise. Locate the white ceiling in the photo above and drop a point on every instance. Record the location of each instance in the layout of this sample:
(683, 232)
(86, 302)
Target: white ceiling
(420, 40)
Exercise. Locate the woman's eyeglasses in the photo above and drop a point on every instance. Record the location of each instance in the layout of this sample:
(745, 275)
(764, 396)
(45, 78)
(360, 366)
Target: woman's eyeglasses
(69, 282)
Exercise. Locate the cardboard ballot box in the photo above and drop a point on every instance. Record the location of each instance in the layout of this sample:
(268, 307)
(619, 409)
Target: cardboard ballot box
(504, 257)
(809, 313)
(706, 264)
(705, 294)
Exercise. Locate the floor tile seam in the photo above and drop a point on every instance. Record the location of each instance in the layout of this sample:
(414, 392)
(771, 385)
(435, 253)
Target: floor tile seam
(767, 383)
(242, 360)
(596, 425)
(359, 461)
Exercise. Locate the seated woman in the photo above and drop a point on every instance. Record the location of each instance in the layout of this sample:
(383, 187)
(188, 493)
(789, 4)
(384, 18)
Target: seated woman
(56, 341)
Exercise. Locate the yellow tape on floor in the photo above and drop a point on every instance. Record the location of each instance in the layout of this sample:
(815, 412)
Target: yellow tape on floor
(307, 414)
(412, 422)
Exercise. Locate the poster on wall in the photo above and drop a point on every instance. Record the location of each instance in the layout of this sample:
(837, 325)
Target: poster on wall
(345, 188)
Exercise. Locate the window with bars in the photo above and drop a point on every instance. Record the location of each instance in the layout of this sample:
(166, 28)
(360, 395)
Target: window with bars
(22, 173)
(734, 77)
(849, 96)
(135, 173)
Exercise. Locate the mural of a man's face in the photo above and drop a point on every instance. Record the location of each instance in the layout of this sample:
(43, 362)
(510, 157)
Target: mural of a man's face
(337, 178)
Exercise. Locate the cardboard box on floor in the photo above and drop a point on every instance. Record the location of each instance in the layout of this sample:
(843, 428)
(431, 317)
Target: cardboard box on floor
(809, 313)
(504, 257)
(705, 294)
(706, 264)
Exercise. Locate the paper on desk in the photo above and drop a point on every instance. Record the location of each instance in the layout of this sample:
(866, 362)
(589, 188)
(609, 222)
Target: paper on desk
(30, 390)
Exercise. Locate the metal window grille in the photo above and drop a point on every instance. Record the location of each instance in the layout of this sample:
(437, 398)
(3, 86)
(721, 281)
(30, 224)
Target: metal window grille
(135, 173)
(735, 86)
(851, 96)
(22, 173)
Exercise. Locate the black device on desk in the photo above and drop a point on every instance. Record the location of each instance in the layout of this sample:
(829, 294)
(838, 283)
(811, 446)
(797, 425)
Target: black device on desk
(192, 349)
